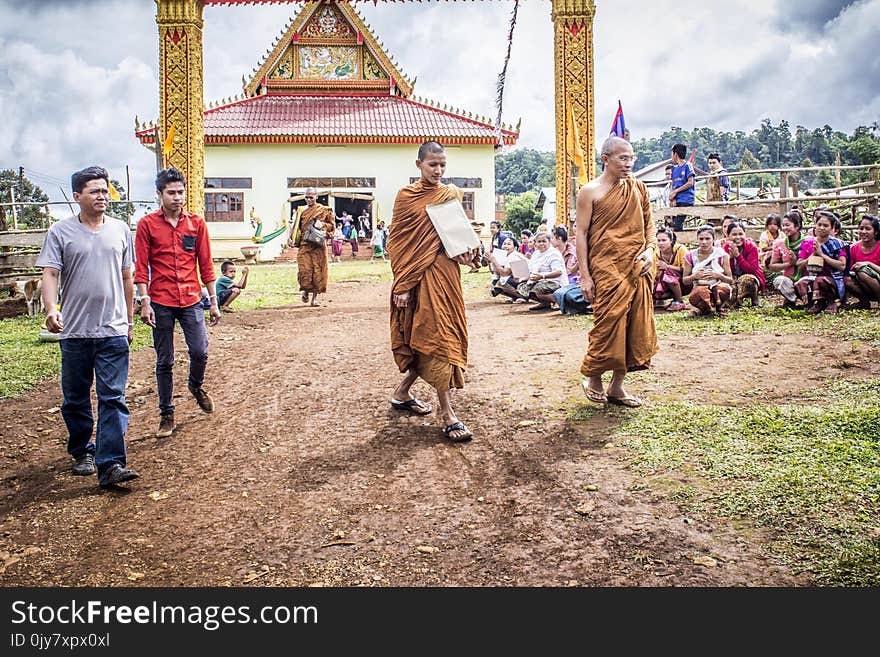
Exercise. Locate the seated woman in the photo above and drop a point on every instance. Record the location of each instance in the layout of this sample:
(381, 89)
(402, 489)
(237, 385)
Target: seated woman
(744, 265)
(863, 281)
(766, 239)
(784, 257)
(670, 267)
(824, 257)
(559, 240)
(547, 273)
(503, 281)
(707, 268)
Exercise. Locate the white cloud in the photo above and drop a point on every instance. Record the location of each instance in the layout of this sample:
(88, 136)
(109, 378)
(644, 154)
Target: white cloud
(69, 89)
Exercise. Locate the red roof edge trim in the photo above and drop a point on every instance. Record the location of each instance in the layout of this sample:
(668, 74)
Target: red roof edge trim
(307, 139)
(459, 116)
(348, 94)
(240, 101)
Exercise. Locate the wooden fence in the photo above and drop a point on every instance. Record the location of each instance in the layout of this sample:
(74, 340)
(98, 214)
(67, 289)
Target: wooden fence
(853, 199)
(19, 248)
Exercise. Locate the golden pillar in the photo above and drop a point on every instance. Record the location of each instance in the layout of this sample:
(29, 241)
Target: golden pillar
(181, 96)
(573, 52)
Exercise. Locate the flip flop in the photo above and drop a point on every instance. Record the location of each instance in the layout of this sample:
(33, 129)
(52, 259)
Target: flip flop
(411, 405)
(458, 426)
(629, 401)
(596, 396)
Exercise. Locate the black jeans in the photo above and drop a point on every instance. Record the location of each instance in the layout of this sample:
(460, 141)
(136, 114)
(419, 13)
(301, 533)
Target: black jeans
(192, 322)
(678, 220)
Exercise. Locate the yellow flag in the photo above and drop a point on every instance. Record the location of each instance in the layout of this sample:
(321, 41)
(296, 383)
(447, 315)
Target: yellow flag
(573, 147)
(168, 146)
(114, 194)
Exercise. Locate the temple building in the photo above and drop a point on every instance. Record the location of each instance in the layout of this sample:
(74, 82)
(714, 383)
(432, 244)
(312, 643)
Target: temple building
(329, 108)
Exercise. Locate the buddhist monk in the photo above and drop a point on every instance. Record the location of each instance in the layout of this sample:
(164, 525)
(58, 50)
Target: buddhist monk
(615, 250)
(311, 259)
(428, 324)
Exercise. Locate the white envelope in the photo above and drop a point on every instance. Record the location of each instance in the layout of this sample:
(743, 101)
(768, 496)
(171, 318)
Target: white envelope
(519, 268)
(453, 227)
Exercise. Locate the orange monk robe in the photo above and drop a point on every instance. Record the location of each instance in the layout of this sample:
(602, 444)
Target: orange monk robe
(623, 336)
(311, 259)
(430, 334)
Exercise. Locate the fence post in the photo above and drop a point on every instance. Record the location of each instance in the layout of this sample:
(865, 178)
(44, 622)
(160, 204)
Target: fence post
(14, 213)
(874, 175)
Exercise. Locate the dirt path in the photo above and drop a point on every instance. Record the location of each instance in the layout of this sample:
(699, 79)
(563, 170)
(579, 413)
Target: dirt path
(305, 476)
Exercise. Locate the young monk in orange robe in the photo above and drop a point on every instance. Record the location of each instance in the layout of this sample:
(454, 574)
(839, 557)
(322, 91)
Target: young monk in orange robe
(428, 324)
(615, 249)
(311, 259)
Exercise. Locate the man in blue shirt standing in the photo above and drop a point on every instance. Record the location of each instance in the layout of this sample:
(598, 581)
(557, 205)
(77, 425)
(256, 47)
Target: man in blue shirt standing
(682, 193)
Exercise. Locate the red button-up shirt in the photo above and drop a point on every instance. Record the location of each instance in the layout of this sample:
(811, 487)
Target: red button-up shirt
(167, 257)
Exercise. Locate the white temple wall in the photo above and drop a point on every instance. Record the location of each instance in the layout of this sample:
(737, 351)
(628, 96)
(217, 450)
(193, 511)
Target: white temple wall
(270, 165)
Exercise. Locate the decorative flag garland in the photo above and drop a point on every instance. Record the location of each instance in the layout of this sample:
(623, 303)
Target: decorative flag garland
(499, 97)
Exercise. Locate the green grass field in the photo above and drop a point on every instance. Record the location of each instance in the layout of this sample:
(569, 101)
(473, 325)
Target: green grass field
(24, 360)
(808, 471)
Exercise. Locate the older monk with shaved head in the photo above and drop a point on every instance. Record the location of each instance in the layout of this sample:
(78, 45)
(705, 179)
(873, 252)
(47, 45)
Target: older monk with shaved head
(311, 258)
(615, 250)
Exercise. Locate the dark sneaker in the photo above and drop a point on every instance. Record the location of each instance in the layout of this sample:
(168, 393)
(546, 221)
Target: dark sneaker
(203, 399)
(166, 426)
(116, 474)
(85, 465)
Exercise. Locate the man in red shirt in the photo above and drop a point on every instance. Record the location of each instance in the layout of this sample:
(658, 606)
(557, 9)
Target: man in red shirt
(172, 252)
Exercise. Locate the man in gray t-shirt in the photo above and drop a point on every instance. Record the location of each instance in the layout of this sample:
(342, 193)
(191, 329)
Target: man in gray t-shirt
(91, 256)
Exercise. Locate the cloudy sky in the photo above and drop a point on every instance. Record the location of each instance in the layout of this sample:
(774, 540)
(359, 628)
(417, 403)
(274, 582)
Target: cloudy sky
(74, 73)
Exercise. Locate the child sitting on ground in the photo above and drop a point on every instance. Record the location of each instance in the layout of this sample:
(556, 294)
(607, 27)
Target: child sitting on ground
(226, 288)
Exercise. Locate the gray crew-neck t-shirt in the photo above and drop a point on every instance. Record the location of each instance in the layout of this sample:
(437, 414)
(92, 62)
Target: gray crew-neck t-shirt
(91, 264)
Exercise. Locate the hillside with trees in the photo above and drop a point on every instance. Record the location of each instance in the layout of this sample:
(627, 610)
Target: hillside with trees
(769, 147)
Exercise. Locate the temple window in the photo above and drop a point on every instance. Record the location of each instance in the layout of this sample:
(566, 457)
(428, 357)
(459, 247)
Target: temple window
(224, 206)
(467, 202)
(333, 183)
(229, 183)
(464, 183)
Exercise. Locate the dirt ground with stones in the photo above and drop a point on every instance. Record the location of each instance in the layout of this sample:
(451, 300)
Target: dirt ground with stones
(305, 476)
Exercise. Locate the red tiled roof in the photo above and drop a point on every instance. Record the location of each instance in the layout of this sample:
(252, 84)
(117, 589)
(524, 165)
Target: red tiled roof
(341, 119)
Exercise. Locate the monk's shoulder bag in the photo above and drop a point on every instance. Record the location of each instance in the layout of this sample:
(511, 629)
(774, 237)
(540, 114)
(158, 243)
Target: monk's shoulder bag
(315, 235)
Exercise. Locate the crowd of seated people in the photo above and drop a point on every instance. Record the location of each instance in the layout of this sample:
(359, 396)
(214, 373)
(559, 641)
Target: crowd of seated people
(552, 270)
(812, 269)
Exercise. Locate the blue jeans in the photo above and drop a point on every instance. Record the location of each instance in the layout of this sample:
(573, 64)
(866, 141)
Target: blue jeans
(104, 360)
(192, 322)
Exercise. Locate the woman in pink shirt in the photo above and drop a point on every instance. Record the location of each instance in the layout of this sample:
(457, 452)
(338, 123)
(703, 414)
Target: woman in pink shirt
(748, 276)
(864, 275)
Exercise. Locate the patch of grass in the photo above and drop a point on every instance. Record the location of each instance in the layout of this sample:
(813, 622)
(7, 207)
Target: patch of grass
(270, 286)
(475, 286)
(854, 325)
(25, 361)
(583, 412)
(809, 473)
